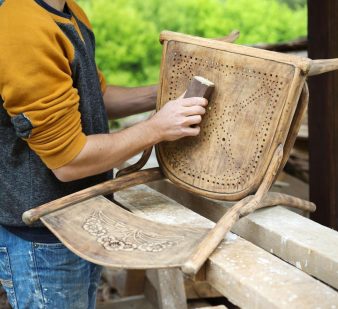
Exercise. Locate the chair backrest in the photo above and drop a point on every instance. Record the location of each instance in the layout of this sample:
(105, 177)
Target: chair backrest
(248, 116)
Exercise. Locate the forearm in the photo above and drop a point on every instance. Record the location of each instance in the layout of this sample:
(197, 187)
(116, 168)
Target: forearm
(123, 101)
(103, 152)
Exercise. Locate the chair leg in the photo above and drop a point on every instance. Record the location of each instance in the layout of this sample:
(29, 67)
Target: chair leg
(244, 206)
(275, 198)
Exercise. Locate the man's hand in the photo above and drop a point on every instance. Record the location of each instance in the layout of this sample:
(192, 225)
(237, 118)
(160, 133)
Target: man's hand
(179, 118)
(102, 152)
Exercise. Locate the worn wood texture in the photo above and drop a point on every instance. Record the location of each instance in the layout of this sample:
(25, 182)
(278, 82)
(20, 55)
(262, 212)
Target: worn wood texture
(248, 276)
(225, 223)
(305, 244)
(256, 93)
(133, 302)
(251, 278)
(138, 165)
(323, 113)
(106, 234)
(199, 289)
(169, 287)
(199, 87)
(214, 307)
(295, 125)
(127, 282)
(108, 187)
(295, 239)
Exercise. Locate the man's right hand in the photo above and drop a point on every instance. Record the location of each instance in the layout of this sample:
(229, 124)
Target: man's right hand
(102, 152)
(179, 118)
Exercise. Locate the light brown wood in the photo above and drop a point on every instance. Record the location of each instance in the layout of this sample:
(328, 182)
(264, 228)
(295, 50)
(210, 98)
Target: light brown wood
(321, 66)
(127, 282)
(295, 125)
(108, 187)
(253, 112)
(138, 165)
(249, 114)
(169, 286)
(231, 37)
(297, 240)
(104, 233)
(199, 87)
(252, 278)
(241, 271)
(199, 289)
(133, 302)
(214, 307)
(301, 62)
(301, 242)
(224, 225)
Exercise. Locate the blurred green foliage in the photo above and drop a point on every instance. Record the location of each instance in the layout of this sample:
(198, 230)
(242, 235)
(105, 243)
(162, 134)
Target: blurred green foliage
(128, 50)
(294, 3)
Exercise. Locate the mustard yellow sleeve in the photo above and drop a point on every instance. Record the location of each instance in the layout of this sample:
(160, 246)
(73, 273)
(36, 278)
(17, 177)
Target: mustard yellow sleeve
(38, 93)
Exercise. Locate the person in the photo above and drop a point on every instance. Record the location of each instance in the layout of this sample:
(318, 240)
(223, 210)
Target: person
(55, 140)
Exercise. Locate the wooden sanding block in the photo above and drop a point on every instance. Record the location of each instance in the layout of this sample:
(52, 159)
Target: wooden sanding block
(200, 87)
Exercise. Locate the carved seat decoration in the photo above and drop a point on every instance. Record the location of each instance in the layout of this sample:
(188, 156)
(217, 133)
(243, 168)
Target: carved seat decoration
(247, 133)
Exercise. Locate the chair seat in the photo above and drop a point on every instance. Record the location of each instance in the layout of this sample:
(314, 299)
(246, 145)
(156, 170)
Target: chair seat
(104, 233)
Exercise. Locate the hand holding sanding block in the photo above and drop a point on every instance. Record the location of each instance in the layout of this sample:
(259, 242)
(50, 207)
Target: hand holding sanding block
(200, 87)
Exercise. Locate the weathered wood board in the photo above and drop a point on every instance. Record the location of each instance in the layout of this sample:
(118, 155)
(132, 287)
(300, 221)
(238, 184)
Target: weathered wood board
(169, 286)
(295, 239)
(247, 275)
(132, 302)
(301, 242)
(251, 278)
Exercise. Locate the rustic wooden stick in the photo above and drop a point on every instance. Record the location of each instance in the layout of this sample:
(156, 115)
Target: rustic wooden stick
(276, 198)
(295, 125)
(231, 37)
(215, 236)
(138, 165)
(107, 187)
(321, 66)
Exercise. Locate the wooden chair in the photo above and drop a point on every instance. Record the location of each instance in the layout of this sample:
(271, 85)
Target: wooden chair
(250, 126)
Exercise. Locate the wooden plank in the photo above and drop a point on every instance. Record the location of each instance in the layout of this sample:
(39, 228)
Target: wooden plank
(323, 113)
(169, 286)
(214, 307)
(248, 276)
(251, 278)
(150, 293)
(295, 239)
(128, 282)
(199, 289)
(134, 302)
(306, 244)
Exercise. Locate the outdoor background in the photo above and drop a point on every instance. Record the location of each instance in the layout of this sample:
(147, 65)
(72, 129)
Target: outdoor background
(127, 31)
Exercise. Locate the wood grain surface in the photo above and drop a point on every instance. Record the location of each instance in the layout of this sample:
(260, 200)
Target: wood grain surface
(104, 233)
(249, 114)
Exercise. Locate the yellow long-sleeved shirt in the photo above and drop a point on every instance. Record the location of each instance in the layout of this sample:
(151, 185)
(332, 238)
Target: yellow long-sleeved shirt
(50, 100)
(38, 54)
